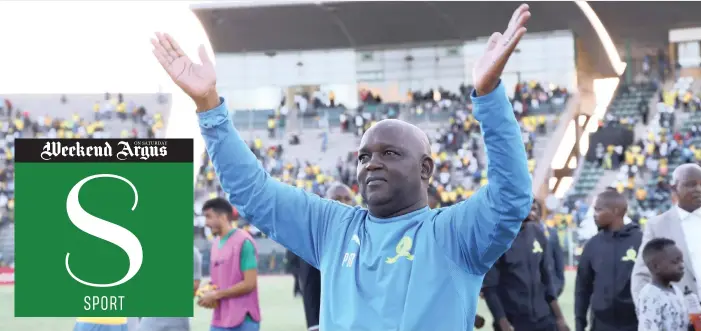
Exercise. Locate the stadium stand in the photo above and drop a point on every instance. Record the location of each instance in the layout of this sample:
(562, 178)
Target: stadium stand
(624, 112)
(446, 119)
(72, 117)
(668, 143)
(642, 170)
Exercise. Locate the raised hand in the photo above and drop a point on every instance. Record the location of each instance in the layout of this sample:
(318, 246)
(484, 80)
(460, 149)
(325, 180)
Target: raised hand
(196, 80)
(489, 66)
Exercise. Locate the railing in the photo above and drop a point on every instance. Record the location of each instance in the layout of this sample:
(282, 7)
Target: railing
(272, 256)
(441, 115)
(258, 119)
(273, 261)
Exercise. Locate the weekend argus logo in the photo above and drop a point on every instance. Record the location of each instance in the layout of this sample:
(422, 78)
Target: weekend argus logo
(104, 227)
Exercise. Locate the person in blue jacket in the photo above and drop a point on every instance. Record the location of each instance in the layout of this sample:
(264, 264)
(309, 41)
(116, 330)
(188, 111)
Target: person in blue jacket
(397, 265)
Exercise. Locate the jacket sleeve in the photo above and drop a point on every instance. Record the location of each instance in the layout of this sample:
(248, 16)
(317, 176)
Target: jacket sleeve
(583, 288)
(546, 267)
(298, 220)
(476, 232)
(558, 259)
(641, 274)
(491, 295)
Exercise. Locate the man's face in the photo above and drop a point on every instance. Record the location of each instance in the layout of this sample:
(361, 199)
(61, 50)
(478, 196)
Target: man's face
(603, 213)
(341, 194)
(389, 166)
(214, 221)
(535, 213)
(432, 201)
(688, 189)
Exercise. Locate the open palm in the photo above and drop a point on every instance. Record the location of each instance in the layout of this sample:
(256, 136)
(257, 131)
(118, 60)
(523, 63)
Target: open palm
(489, 66)
(197, 80)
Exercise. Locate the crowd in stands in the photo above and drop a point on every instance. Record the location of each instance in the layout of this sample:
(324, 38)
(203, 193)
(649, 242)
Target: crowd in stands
(320, 109)
(456, 146)
(16, 123)
(529, 97)
(644, 168)
(648, 165)
(364, 117)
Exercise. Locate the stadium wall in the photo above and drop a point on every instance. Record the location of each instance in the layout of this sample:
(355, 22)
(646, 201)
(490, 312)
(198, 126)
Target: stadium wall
(394, 71)
(685, 49)
(258, 80)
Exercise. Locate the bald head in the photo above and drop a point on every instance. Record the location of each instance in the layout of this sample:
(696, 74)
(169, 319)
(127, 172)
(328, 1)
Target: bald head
(410, 134)
(394, 166)
(613, 200)
(610, 210)
(340, 192)
(683, 171)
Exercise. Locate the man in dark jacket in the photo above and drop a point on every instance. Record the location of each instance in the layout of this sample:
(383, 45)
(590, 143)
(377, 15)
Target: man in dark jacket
(518, 289)
(554, 249)
(605, 267)
(310, 284)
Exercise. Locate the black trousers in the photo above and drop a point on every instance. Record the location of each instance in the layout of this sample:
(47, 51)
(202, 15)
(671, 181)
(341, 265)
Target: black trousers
(296, 289)
(310, 284)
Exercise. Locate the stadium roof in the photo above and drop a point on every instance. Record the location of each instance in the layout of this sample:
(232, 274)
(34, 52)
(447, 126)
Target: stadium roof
(295, 25)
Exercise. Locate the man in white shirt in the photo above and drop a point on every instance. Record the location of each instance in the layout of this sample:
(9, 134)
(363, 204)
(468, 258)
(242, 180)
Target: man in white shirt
(682, 223)
(686, 180)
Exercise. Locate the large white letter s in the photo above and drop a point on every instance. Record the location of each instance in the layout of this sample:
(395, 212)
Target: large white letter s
(104, 230)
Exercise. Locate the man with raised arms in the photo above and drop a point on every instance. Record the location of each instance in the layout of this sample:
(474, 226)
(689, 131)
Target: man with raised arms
(397, 265)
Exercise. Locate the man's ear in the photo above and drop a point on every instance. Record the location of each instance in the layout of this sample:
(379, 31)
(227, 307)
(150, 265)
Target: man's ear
(654, 266)
(674, 196)
(427, 167)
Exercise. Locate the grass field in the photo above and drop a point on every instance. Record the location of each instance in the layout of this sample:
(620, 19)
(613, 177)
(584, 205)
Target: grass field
(281, 312)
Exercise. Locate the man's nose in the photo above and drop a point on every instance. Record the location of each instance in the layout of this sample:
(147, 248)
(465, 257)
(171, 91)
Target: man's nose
(374, 163)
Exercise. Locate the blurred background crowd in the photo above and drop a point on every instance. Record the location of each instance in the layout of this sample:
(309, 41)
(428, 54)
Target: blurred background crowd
(591, 117)
(665, 117)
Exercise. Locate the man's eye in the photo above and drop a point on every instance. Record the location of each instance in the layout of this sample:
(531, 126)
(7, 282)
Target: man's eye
(362, 158)
(390, 153)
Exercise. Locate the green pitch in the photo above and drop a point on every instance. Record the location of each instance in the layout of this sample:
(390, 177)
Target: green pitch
(281, 312)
